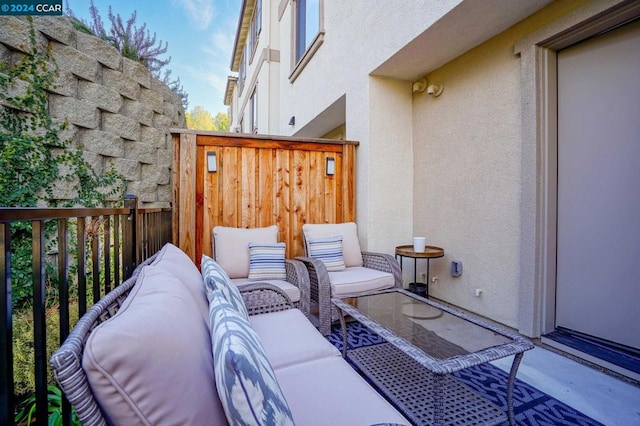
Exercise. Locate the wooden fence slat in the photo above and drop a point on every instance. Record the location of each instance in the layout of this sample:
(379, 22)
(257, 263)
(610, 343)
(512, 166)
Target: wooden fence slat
(210, 203)
(300, 198)
(247, 193)
(265, 194)
(283, 197)
(187, 198)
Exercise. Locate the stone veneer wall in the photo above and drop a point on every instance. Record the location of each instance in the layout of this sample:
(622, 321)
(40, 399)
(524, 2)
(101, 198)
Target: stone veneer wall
(116, 110)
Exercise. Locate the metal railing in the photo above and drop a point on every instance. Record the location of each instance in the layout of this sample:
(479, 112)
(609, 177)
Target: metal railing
(76, 254)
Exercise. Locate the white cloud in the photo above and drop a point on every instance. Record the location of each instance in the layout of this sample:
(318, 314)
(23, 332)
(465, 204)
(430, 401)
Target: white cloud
(199, 12)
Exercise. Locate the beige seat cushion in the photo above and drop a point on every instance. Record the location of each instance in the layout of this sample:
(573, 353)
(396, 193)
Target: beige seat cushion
(291, 290)
(359, 279)
(349, 232)
(290, 338)
(231, 247)
(151, 363)
(328, 391)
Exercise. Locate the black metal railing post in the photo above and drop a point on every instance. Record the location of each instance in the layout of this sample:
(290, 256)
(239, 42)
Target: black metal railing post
(7, 399)
(39, 318)
(130, 237)
(63, 297)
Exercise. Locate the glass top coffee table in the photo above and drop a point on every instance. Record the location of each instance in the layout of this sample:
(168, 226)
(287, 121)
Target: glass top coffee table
(426, 341)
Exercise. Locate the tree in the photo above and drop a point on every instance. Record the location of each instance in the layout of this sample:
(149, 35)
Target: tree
(201, 119)
(222, 122)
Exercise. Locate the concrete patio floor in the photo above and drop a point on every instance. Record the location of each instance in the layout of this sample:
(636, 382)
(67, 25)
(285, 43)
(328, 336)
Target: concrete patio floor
(601, 396)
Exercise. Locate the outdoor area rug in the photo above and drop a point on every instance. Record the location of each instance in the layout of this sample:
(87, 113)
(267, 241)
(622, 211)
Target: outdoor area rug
(531, 406)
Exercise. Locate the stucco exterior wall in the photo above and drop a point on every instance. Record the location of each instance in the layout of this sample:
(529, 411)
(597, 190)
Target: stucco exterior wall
(377, 111)
(117, 112)
(470, 174)
(467, 178)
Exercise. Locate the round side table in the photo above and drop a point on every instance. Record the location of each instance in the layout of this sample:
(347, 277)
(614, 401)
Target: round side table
(430, 252)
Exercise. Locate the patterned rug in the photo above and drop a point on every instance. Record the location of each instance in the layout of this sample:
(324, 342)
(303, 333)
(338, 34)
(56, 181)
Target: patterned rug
(531, 406)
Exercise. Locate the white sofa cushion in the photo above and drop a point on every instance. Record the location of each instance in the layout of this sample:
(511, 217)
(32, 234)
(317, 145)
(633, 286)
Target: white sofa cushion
(349, 232)
(266, 261)
(231, 246)
(289, 338)
(359, 279)
(246, 382)
(328, 391)
(151, 362)
(291, 290)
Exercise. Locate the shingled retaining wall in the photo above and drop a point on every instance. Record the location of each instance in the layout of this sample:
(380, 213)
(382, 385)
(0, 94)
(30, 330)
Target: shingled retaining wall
(116, 110)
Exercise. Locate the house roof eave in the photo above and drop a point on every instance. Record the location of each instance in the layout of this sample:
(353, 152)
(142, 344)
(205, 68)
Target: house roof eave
(244, 21)
(228, 93)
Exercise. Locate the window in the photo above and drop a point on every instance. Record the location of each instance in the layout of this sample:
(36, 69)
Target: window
(307, 25)
(256, 27)
(242, 72)
(254, 111)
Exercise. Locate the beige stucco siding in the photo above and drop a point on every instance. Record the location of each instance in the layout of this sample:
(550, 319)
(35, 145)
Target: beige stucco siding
(467, 177)
(470, 186)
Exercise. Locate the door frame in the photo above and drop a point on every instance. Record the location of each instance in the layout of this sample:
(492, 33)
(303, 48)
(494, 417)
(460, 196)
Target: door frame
(538, 62)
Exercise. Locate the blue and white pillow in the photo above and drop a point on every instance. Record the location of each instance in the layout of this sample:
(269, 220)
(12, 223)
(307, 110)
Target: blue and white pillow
(266, 262)
(329, 251)
(215, 278)
(245, 380)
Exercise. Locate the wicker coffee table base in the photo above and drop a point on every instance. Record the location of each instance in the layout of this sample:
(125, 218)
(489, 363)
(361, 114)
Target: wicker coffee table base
(412, 389)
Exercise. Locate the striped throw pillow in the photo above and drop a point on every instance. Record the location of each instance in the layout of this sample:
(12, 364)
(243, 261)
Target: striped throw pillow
(329, 251)
(266, 262)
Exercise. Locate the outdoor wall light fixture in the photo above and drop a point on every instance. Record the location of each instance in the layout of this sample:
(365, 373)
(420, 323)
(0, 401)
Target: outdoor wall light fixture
(419, 86)
(331, 166)
(212, 165)
(292, 120)
(435, 89)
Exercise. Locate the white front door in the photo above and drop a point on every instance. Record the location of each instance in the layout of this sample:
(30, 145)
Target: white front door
(598, 246)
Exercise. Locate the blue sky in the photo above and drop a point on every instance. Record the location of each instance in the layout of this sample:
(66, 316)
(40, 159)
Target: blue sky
(200, 34)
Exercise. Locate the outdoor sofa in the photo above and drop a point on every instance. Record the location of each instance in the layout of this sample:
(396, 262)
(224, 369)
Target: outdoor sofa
(171, 345)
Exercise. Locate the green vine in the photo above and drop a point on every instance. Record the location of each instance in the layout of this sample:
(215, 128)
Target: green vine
(33, 156)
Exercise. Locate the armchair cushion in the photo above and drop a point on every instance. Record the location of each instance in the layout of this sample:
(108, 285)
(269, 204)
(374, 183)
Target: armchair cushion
(349, 232)
(215, 278)
(231, 246)
(329, 251)
(359, 279)
(266, 262)
(245, 380)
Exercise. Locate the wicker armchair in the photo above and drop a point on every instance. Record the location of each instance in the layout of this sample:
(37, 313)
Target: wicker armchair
(363, 272)
(231, 251)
